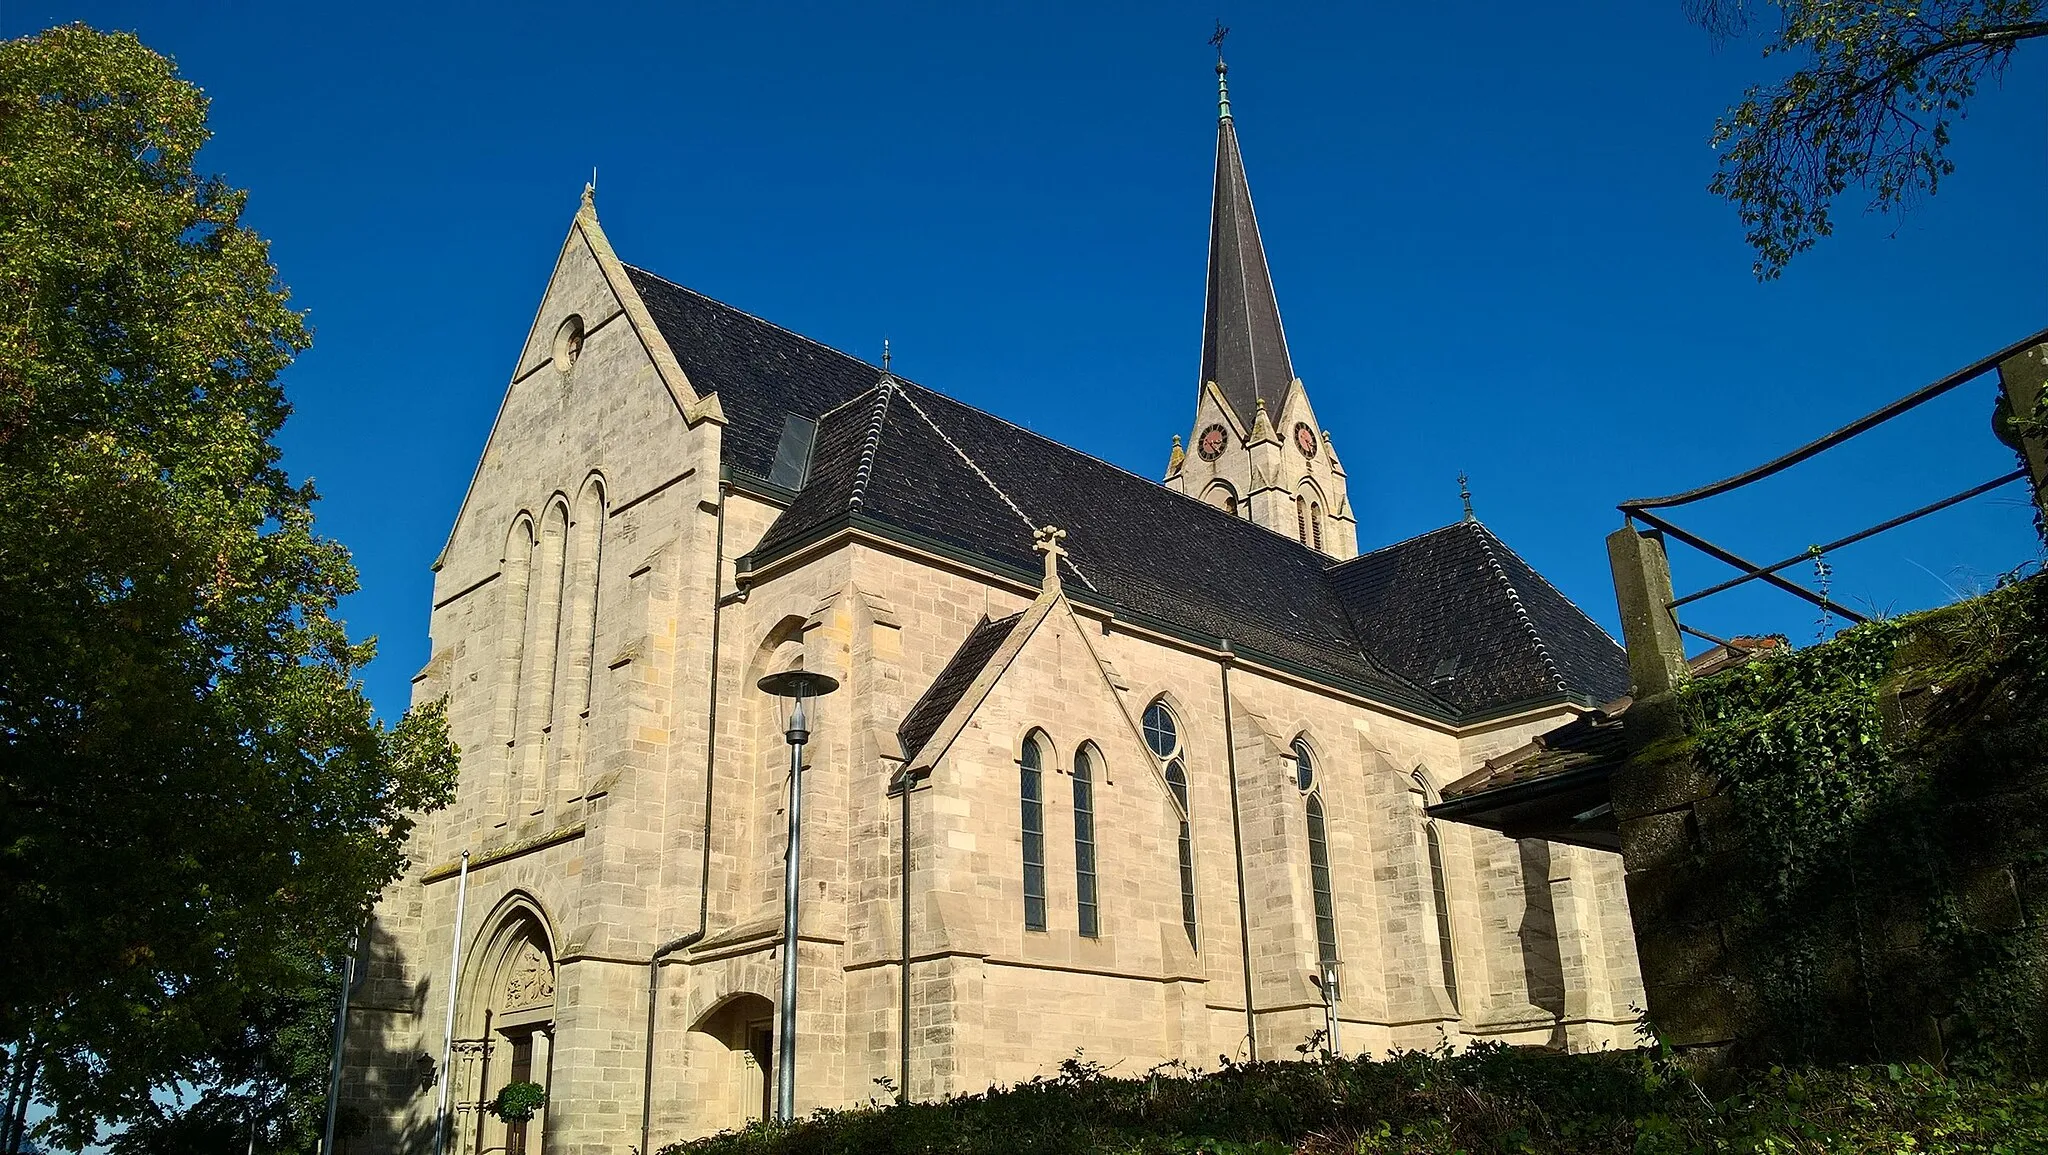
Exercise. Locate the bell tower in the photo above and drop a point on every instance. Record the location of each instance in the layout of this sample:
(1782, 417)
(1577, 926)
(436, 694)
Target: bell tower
(1256, 448)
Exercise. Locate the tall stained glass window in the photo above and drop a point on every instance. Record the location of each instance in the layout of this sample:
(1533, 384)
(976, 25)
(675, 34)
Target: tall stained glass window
(1032, 789)
(1085, 906)
(1162, 733)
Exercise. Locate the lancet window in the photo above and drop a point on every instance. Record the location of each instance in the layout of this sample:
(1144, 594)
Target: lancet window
(1087, 911)
(1032, 790)
(1318, 853)
(1162, 734)
(1440, 893)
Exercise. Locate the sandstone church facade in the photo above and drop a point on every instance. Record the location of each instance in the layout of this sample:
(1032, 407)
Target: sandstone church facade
(1116, 766)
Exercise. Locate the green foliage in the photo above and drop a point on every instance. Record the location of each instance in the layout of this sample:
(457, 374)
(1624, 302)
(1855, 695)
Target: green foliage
(195, 798)
(1486, 1099)
(1880, 84)
(517, 1102)
(1882, 793)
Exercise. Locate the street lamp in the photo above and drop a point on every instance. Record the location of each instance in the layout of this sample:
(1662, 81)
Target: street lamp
(1325, 980)
(801, 686)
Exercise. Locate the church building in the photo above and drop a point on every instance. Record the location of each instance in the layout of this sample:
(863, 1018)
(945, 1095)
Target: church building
(1130, 769)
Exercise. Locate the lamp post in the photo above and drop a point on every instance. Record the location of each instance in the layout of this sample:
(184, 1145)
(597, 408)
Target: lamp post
(801, 686)
(1330, 995)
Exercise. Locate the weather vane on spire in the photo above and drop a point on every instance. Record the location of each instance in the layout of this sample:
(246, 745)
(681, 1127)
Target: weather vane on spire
(1222, 73)
(1465, 493)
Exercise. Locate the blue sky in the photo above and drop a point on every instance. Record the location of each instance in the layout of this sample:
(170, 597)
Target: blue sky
(1489, 232)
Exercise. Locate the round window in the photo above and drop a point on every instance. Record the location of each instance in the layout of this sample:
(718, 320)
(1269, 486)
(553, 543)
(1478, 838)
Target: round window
(568, 342)
(1161, 733)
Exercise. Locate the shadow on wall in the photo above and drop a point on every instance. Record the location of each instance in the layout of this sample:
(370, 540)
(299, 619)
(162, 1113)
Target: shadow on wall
(1542, 962)
(388, 1087)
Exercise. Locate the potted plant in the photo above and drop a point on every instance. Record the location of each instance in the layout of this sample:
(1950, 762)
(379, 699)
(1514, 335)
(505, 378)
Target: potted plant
(517, 1102)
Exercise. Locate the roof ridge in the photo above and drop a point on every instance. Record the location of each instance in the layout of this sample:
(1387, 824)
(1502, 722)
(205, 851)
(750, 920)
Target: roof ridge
(990, 482)
(1486, 543)
(869, 444)
(1538, 575)
(1104, 462)
(750, 316)
(1402, 542)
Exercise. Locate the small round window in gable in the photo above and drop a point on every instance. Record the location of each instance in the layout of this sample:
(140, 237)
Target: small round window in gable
(568, 342)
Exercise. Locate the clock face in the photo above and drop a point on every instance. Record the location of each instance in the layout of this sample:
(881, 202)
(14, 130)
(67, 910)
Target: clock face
(1211, 443)
(1304, 439)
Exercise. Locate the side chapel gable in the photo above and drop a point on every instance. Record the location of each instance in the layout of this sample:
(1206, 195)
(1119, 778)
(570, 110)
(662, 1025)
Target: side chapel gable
(1050, 614)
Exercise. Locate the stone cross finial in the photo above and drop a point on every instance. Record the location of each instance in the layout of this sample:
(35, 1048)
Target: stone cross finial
(1047, 541)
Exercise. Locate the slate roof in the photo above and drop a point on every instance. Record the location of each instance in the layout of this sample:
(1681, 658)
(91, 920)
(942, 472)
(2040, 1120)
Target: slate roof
(908, 462)
(925, 718)
(914, 461)
(1460, 613)
(761, 372)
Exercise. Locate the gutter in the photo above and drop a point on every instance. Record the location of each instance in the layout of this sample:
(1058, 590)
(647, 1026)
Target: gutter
(704, 871)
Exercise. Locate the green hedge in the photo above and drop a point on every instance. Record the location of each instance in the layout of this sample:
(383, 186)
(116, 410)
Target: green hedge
(1486, 1099)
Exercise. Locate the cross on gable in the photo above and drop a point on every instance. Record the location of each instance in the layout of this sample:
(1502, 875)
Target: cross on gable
(1047, 541)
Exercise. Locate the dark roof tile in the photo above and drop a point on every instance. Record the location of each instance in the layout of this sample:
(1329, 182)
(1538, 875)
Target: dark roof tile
(966, 664)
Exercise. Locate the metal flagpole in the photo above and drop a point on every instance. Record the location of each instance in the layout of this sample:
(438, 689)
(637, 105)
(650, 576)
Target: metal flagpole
(448, 1036)
(348, 979)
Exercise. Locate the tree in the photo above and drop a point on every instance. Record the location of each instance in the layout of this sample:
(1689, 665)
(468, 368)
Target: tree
(1882, 83)
(195, 796)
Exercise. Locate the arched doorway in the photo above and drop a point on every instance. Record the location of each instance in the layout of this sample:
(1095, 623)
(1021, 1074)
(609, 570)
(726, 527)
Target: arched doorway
(507, 1029)
(733, 1048)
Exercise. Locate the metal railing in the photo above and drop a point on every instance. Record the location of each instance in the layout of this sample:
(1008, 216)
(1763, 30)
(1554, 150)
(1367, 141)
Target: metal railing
(1638, 509)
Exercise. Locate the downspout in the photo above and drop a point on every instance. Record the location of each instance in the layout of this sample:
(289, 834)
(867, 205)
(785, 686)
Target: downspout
(1244, 925)
(704, 870)
(903, 969)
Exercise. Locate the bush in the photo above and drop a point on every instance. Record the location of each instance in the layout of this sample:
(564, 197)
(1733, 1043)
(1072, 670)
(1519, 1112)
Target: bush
(517, 1102)
(1489, 1098)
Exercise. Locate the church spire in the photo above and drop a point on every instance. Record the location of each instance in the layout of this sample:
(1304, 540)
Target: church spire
(1244, 350)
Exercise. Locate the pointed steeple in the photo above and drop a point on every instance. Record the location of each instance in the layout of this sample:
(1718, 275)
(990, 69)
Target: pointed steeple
(1244, 350)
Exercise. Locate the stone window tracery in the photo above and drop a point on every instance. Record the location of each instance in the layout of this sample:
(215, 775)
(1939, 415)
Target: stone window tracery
(1162, 734)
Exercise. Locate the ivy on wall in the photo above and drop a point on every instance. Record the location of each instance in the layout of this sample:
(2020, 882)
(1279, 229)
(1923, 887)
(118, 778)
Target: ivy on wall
(1879, 835)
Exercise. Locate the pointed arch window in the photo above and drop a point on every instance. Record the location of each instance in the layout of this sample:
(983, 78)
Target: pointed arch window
(1315, 524)
(1086, 909)
(1162, 734)
(1318, 854)
(1301, 519)
(1031, 788)
(1441, 894)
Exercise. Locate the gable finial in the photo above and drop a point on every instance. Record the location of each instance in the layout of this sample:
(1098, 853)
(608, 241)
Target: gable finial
(885, 354)
(1465, 494)
(1047, 541)
(1222, 73)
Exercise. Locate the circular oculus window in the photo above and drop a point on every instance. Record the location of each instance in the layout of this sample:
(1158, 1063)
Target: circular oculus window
(568, 342)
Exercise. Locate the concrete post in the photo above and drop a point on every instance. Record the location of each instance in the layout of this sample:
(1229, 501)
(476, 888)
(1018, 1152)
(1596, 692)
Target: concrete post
(1642, 591)
(2021, 378)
